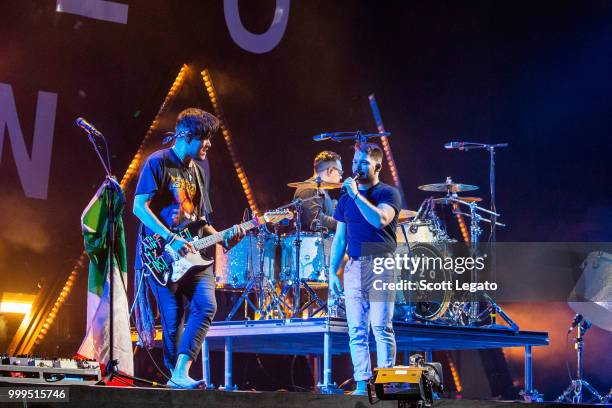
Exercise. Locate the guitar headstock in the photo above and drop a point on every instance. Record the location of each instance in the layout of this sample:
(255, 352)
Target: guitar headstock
(275, 216)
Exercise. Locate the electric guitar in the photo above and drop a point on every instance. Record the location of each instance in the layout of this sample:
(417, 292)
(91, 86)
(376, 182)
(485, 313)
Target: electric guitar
(165, 264)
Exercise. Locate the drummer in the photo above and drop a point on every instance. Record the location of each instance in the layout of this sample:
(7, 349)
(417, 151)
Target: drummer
(327, 166)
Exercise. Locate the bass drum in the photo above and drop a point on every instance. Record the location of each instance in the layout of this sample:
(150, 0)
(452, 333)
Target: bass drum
(234, 268)
(424, 291)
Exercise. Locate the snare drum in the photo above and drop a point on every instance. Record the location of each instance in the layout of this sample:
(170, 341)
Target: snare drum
(314, 257)
(234, 268)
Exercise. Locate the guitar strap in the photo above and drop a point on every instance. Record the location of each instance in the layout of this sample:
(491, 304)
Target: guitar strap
(204, 206)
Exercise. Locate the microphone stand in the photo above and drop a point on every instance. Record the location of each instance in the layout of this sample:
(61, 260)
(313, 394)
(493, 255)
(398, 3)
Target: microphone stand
(493, 213)
(356, 136)
(491, 148)
(111, 370)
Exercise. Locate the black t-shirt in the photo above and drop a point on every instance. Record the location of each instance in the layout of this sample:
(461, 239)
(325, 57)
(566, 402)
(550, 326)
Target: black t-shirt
(362, 237)
(312, 207)
(179, 191)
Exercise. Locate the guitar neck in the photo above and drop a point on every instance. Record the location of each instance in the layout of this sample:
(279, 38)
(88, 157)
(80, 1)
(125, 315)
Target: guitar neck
(213, 239)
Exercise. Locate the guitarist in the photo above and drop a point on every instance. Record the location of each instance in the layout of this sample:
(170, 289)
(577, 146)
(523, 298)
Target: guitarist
(171, 193)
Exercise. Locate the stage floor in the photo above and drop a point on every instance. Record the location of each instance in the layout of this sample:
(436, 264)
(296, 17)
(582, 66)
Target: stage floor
(324, 337)
(110, 397)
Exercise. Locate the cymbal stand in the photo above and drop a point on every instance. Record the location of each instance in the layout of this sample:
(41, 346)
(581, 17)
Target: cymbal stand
(314, 298)
(267, 299)
(493, 309)
(297, 283)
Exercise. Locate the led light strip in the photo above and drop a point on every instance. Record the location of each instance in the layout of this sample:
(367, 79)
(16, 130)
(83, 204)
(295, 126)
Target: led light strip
(464, 231)
(131, 171)
(227, 135)
(134, 166)
(454, 373)
(386, 147)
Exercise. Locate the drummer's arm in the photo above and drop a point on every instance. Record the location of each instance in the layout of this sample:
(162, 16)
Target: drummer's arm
(338, 248)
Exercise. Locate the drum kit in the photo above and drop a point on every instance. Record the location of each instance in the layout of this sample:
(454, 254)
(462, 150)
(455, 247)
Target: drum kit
(277, 267)
(423, 234)
(273, 269)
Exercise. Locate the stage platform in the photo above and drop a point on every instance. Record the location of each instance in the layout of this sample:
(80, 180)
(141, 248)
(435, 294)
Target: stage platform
(324, 337)
(111, 397)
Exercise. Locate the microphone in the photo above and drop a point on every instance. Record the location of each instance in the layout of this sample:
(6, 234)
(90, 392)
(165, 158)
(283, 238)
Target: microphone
(454, 145)
(86, 126)
(575, 322)
(323, 136)
(355, 176)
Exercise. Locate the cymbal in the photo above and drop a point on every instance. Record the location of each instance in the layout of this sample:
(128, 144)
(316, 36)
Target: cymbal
(470, 199)
(405, 215)
(445, 187)
(312, 184)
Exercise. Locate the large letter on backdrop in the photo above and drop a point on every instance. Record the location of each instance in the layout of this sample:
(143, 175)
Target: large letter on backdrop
(98, 9)
(256, 43)
(33, 170)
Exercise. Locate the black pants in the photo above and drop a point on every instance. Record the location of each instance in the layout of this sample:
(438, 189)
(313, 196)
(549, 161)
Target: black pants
(179, 338)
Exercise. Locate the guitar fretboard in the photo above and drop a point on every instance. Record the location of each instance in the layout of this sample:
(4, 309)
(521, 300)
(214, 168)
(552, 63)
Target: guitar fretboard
(213, 239)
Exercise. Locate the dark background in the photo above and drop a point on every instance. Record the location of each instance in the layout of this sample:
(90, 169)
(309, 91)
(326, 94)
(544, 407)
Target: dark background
(533, 74)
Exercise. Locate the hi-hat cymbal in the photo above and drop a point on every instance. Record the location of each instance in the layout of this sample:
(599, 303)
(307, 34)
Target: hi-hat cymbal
(405, 215)
(312, 184)
(471, 199)
(446, 187)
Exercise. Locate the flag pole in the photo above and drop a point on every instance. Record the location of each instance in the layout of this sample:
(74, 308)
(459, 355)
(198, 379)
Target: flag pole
(111, 187)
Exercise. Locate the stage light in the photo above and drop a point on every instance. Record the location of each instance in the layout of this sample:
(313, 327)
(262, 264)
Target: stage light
(15, 307)
(412, 385)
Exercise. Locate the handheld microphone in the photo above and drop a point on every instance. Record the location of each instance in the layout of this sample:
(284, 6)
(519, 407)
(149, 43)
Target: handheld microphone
(86, 126)
(323, 136)
(355, 176)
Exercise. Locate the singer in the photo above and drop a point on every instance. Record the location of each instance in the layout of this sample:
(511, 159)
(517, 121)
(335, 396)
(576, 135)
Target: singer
(366, 221)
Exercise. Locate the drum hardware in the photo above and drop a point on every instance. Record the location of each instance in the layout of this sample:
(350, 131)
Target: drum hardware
(473, 211)
(296, 281)
(499, 224)
(406, 215)
(269, 304)
(574, 392)
(493, 224)
(493, 309)
(444, 200)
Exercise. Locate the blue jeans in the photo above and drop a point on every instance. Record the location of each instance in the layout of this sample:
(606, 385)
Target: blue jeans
(367, 307)
(179, 338)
